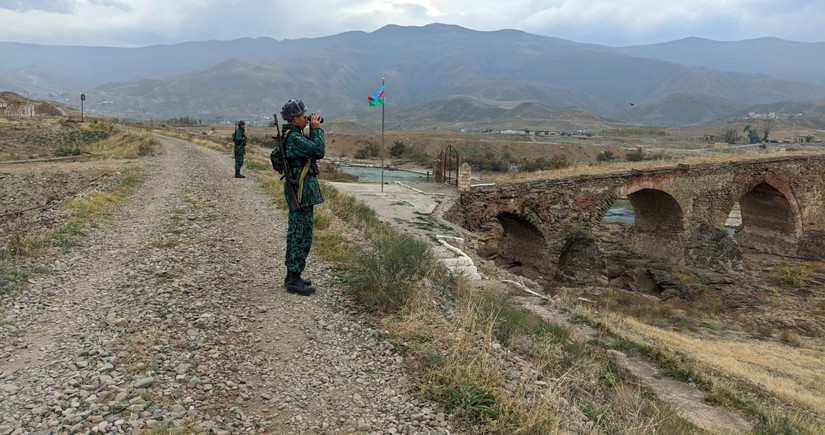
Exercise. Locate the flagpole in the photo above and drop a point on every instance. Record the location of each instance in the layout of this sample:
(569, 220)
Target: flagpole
(382, 139)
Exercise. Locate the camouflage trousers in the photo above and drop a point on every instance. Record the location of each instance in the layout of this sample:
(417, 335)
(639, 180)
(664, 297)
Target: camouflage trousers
(298, 238)
(240, 151)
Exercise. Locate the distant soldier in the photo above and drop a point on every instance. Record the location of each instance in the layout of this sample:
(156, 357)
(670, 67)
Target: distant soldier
(239, 138)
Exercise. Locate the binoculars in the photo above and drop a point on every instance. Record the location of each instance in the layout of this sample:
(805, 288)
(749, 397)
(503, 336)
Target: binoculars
(320, 118)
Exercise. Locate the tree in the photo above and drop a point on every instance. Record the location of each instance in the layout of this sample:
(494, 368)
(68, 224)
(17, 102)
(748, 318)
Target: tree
(731, 137)
(767, 126)
(397, 149)
(753, 135)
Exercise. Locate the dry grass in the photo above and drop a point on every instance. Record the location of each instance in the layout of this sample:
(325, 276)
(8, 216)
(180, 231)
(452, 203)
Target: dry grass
(22, 241)
(795, 374)
(99, 202)
(27, 241)
(674, 312)
(205, 141)
(540, 384)
(127, 145)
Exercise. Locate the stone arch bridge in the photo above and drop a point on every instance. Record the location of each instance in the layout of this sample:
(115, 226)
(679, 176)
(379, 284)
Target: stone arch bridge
(680, 213)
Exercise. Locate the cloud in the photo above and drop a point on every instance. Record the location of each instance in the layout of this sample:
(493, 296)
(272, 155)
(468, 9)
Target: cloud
(639, 21)
(147, 22)
(54, 6)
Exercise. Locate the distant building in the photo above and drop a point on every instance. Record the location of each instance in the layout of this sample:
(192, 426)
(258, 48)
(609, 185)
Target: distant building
(754, 115)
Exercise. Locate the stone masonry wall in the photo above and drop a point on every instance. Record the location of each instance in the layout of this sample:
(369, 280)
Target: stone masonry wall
(785, 195)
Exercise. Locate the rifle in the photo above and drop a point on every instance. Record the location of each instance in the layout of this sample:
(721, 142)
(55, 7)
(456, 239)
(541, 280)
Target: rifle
(280, 141)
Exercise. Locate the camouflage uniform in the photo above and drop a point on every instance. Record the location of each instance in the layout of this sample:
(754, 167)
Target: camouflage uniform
(239, 138)
(301, 150)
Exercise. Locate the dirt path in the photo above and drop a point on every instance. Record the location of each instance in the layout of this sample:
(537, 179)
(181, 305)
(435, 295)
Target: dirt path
(171, 316)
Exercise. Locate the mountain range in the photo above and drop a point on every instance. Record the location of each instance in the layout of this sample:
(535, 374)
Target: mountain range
(436, 76)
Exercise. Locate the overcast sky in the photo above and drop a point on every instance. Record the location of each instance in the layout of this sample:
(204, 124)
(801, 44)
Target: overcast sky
(132, 23)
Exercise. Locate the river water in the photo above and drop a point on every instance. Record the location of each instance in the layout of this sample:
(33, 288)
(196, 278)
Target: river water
(622, 211)
(373, 175)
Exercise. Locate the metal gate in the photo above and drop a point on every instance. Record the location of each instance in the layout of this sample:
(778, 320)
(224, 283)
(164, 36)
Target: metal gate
(450, 162)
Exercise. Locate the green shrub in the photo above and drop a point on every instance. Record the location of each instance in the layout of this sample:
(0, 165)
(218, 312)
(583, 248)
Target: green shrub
(384, 280)
(67, 150)
(397, 149)
(369, 150)
(605, 156)
(790, 276)
(470, 402)
(636, 156)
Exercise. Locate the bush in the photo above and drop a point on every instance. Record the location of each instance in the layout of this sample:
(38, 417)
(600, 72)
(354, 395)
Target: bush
(538, 164)
(148, 146)
(330, 172)
(605, 156)
(384, 281)
(67, 150)
(790, 338)
(471, 402)
(558, 161)
(101, 125)
(790, 276)
(369, 150)
(397, 149)
(636, 156)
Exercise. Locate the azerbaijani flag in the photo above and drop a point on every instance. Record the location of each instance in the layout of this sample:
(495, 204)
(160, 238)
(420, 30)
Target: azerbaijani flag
(377, 98)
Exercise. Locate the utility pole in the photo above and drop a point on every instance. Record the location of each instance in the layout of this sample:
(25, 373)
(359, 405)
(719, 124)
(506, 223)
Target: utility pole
(82, 99)
(383, 83)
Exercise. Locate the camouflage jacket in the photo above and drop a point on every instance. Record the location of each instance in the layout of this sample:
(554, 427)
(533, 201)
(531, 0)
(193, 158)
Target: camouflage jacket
(239, 137)
(301, 150)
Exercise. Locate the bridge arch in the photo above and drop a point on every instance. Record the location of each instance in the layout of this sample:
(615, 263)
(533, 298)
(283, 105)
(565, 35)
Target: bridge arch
(771, 217)
(659, 222)
(581, 260)
(523, 243)
(656, 212)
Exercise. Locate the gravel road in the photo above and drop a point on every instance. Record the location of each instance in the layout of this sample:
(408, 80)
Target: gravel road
(170, 317)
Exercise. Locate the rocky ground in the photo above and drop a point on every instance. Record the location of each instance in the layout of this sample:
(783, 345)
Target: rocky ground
(170, 317)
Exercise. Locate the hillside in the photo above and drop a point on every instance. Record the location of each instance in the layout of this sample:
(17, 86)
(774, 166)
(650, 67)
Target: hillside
(786, 60)
(219, 81)
(462, 112)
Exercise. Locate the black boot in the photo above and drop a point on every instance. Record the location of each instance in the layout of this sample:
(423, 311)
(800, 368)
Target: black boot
(238, 174)
(307, 282)
(294, 284)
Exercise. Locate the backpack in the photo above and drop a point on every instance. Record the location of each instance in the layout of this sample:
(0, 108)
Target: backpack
(278, 152)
